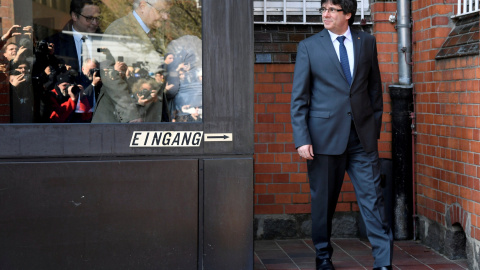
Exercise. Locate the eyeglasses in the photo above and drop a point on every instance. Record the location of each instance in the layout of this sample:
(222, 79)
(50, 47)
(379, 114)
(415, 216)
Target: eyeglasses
(330, 10)
(89, 19)
(158, 10)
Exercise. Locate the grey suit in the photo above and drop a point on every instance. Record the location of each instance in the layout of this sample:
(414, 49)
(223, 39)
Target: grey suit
(342, 123)
(115, 102)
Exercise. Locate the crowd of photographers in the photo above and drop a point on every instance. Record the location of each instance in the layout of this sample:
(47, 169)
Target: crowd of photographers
(47, 87)
(43, 88)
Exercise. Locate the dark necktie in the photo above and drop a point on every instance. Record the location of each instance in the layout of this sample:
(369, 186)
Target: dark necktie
(344, 59)
(81, 52)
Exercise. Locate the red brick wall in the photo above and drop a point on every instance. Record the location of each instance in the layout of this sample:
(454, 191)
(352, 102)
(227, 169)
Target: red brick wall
(281, 182)
(6, 14)
(448, 122)
(386, 35)
(281, 185)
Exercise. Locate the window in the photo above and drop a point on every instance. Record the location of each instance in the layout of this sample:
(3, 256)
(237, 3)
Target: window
(297, 11)
(102, 62)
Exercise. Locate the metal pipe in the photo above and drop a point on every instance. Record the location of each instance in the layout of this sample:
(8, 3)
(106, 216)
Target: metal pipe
(414, 133)
(305, 11)
(362, 12)
(404, 42)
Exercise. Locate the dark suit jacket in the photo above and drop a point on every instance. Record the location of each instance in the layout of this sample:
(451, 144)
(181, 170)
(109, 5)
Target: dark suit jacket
(65, 46)
(322, 101)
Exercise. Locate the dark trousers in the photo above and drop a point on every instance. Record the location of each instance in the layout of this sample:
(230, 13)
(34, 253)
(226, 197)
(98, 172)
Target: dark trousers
(326, 173)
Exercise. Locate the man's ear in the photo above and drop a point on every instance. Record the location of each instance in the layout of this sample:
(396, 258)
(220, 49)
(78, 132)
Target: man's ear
(349, 15)
(74, 16)
(142, 5)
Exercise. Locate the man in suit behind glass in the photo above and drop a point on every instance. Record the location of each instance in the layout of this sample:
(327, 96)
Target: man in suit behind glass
(336, 111)
(115, 102)
(68, 44)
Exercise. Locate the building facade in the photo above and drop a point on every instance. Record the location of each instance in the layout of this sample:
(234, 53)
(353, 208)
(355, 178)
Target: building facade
(444, 114)
(445, 119)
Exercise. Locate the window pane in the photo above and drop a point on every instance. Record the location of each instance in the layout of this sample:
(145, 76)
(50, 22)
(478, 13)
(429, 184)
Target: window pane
(105, 61)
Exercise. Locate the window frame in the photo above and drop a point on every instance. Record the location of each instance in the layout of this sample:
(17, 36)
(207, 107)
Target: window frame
(228, 59)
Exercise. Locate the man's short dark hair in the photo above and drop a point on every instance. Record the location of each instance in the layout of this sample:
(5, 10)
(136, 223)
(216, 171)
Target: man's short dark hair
(4, 49)
(77, 5)
(348, 6)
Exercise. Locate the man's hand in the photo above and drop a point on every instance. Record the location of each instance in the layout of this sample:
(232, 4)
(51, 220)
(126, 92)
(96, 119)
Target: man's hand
(138, 120)
(168, 86)
(20, 54)
(51, 48)
(48, 71)
(144, 101)
(121, 67)
(306, 151)
(28, 31)
(11, 33)
(73, 95)
(3, 68)
(96, 79)
(186, 67)
(16, 80)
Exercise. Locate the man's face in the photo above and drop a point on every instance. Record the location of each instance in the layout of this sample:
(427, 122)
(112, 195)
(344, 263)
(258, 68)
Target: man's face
(86, 69)
(23, 68)
(11, 52)
(337, 21)
(63, 86)
(159, 78)
(154, 14)
(147, 86)
(89, 19)
(169, 59)
(181, 75)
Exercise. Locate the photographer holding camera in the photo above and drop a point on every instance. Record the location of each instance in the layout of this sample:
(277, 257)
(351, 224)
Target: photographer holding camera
(151, 101)
(14, 52)
(21, 94)
(87, 99)
(63, 98)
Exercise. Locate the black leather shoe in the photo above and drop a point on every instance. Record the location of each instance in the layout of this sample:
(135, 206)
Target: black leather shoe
(383, 268)
(324, 264)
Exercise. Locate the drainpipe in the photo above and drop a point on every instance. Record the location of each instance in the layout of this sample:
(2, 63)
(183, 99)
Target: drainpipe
(402, 139)
(404, 42)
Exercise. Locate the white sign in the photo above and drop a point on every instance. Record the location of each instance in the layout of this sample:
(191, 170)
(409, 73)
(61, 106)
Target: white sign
(166, 139)
(218, 137)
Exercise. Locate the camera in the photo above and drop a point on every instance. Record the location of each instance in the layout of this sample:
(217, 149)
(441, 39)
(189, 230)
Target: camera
(41, 47)
(15, 72)
(95, 70)
(145, 93)
(75, 89)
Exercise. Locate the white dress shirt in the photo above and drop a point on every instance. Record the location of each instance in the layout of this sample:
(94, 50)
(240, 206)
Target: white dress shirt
(348, 45)
(77, 36)
(142, 24)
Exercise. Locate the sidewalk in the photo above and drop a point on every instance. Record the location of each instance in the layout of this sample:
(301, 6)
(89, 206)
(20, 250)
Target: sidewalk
(349, 253)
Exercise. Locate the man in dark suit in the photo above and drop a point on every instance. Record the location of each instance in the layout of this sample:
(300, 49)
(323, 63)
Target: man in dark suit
(68, 44)
(336, 112)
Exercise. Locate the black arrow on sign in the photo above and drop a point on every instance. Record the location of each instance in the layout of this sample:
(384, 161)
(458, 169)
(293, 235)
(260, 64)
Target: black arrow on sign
(218, 137)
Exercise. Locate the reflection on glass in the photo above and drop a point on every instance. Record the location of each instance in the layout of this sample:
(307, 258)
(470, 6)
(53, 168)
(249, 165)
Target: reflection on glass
(110, 61)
